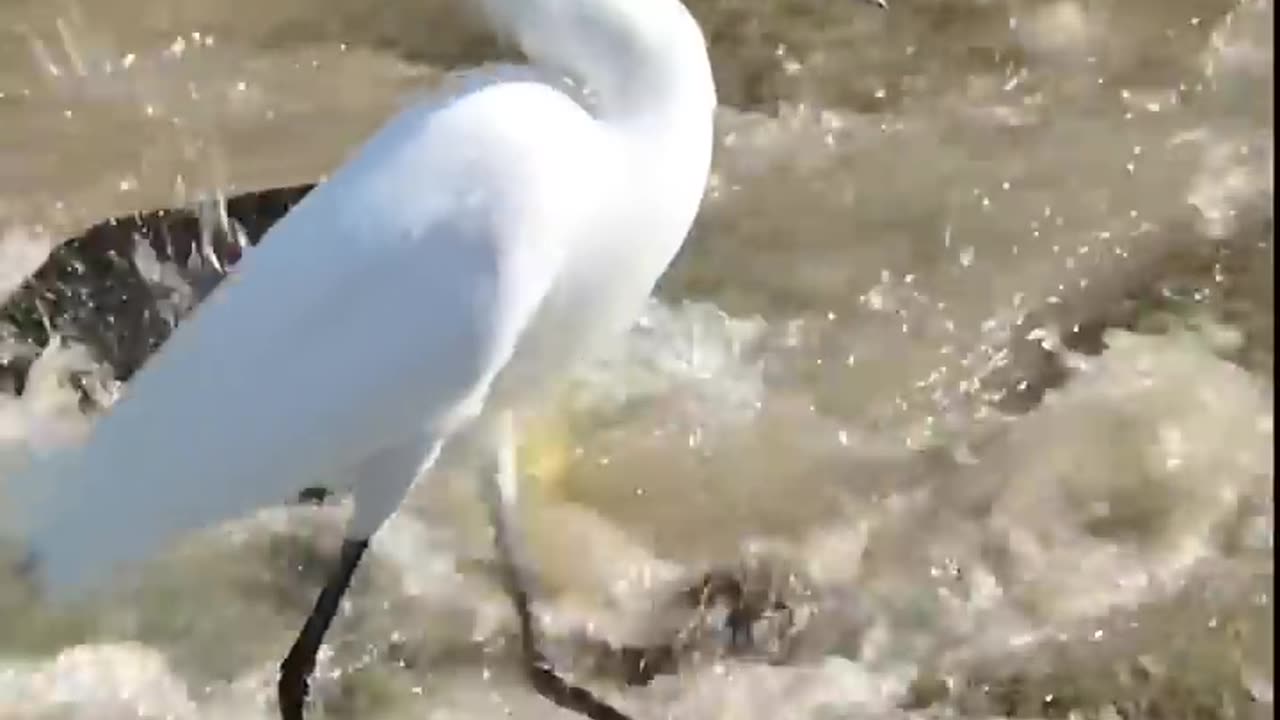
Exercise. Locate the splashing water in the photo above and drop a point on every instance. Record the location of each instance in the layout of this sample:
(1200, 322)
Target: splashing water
(960, 394)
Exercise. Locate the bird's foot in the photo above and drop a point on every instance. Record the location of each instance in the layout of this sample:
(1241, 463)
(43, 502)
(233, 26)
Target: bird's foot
(551, 686)
(292, 690)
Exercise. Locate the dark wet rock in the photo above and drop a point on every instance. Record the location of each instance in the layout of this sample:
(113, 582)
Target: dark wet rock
(1231, 281)
(99, 289)
(122, 285)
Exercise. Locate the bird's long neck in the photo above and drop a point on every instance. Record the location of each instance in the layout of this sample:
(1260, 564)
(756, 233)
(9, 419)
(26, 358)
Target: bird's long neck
(643, 60)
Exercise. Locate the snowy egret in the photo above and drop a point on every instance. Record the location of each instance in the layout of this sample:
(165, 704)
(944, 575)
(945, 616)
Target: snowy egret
(438, 281)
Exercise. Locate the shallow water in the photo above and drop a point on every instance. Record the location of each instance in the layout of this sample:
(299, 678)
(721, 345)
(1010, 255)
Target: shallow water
(968, 365)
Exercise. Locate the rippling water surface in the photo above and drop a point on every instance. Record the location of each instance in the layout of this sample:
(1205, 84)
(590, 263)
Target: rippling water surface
(963, 381)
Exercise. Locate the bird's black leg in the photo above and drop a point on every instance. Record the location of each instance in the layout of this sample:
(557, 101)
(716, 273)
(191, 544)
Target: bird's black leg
(541, 675)
(295, 671)
(314, 495)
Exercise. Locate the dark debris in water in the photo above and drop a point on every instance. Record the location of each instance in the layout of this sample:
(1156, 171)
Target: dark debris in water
(757, 611)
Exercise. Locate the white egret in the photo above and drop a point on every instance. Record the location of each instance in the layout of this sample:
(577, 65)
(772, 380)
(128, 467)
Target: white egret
(437, 282)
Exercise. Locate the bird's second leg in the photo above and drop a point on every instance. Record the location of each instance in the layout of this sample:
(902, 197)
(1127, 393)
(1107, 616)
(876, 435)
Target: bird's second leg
(300, 663)
(501, 499)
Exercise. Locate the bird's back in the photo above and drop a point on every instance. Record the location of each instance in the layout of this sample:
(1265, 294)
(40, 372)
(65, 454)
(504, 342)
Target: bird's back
(380, 306)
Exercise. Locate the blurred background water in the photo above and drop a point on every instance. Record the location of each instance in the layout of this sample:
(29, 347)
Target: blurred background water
(960, 393)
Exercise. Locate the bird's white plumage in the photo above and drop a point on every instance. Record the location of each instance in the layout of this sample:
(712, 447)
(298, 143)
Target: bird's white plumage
(467, 254)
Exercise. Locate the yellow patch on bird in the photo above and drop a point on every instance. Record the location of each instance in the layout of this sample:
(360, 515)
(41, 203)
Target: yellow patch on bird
(546, 452)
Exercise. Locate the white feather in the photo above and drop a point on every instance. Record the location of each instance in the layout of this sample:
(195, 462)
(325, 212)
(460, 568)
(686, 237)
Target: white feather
(466, 255)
